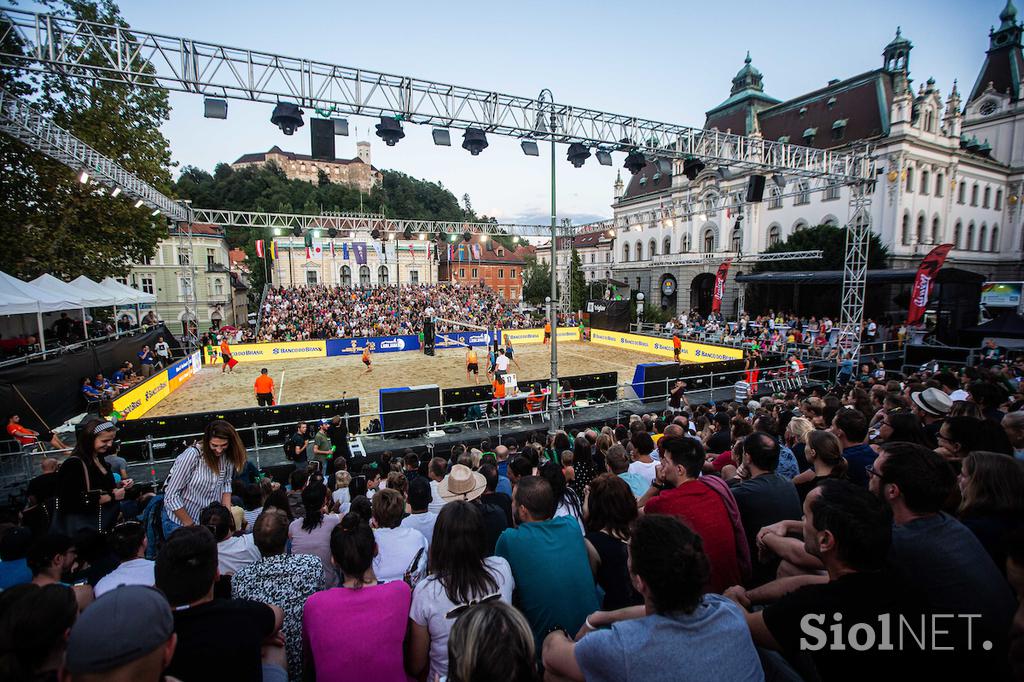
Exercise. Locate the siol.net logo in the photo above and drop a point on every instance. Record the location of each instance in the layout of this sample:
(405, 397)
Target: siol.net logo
(892, 632)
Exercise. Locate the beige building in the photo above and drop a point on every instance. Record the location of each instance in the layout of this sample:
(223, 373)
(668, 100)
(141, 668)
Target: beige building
(297, 265)
(357, 172)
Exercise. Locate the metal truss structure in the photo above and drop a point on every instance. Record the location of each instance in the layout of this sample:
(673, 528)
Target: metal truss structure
(708, 258)
(106, 52)
(855, 267)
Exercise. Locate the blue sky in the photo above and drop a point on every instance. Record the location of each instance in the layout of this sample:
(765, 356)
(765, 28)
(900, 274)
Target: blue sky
(669, 61)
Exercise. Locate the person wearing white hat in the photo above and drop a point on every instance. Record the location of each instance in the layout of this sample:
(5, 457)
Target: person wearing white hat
(462, 483)
(931, 405)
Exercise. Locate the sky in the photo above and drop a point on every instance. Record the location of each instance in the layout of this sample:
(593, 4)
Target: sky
(668, 61)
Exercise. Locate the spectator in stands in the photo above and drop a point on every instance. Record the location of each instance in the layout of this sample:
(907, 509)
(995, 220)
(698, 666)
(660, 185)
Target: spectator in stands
(824, 453)
(128, 543)
(297, 481)
(788, 466)
(944, 558)
(400, 551)
(201, 475)
(931, 406)
(553, 577)
(851, 427)
(1013, 425)
(89, 392)
(697, 636)
(642, 449)
(15, 542)
(989, 397)
(618, 464)
(147, 362)
(491, 641)
(51, 558)
(765, 498)
(127, 636)
(235, 551)
(461, 574)
(992, 500)
(491, 495)
(377, 610)
(87, 496)
(340, 496)
(282, 579)
(27, 437)
(218, 639)
(609, 510)
(566, 501)
(295, 446)
(162, 350)
(420, 518)
(33, 629)
(311, 532)
(960, 436)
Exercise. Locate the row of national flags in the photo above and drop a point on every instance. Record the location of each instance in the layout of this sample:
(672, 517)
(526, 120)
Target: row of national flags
(358, 250)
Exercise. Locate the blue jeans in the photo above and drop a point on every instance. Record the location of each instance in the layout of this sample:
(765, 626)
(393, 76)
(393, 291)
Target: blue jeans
(169, 524)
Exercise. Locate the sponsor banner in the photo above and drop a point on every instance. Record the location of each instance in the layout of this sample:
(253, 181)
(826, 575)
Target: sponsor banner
(526, 336)
(690, 352)
(923, 281)
(136, 402)
(263, 352)
(1001, 294)
(381, 344)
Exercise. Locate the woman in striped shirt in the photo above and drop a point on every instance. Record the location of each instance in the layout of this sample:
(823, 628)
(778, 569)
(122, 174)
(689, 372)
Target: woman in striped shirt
(202, 475)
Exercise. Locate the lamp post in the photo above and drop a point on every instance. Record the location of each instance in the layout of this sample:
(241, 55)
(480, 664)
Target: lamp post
(639, 309)
(553, 401)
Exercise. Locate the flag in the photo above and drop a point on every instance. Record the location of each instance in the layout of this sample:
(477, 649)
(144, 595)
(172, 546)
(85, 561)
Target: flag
(309, 252)
(923, 282)
(259, 249)
(316, 249)
(344, 250)
(462, 253)
(273, 250)
(475, 249)
(377, 250)
(450, 253)
(411, 253)
(360, 251)
(332, 248)
(723, 271)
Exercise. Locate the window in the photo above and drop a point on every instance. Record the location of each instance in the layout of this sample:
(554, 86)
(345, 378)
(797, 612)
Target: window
(830, 220)
(982, 237)
(940, 180)
(184, 287)
(148, 260)
(382, 276)
(473, 273)
(211, 257)
(799, 225)
(666, 247)
(974, 195)
(183, 256)
(652, 249)
(147, 284)
(924, 182)
(999, 200)
(994, 246)
(684, 244)
(936, 231)
(593, 257)
(803, 193)
(310, 276)
(501, 273)
(625, 253)
(513, 293)
(970, 236)
(960, 193)
(736, 240)
(957, 232)
(905, 230)
(774, 234)
(501, 252)
(462, 273)
(832, 190)
(512, 271)
(920, 229)
(346, 276)
(709, 241)
(364, 276)
(910, 178)
(986, 201)
(639, 251)
(775, 198)
(414, 277)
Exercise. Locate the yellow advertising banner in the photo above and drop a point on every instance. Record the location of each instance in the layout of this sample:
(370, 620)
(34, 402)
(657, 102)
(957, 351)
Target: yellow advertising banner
(268, 352)
(139, 400)
(527, 336)
(689, 352)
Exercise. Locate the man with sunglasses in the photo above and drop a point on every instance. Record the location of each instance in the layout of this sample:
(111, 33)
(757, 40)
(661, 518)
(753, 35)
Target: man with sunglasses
(127, 541)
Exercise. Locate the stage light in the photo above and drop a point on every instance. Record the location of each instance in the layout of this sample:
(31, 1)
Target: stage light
(780, 180)
(483, 238)
(390, 130)
(287, 117)
(156, 211)
(453, 237)
(340, 126)
(391, 236)
(577, 154)
(215, 108)
(375, 233)
(530, 148)
(466, 236)
(138, 204)
(725, 173)
(297, 231)
(116, 192)
(277, 232)
(515, 239)
(635, 162)
(423, 236)
(83, 177)
(332, 232)
(474, 141)
(611, 233)
(316, 234)
(604, 157)
(691, 167)
(442, 138)
(668, 222)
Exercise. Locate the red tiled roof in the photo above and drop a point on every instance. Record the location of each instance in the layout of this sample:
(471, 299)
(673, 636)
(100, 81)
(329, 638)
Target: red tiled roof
(202, 230)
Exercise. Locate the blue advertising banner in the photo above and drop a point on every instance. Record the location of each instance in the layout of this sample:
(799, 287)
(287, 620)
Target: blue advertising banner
(462, 339)
(381, 344)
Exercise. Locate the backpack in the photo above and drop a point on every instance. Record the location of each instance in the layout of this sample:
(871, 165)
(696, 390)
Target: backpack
(289, 450)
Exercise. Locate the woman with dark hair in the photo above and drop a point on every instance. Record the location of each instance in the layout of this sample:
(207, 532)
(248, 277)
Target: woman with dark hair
(992, 505)
(202, 475)
(87, 496)
(901, 426)
(378, 611)
(33, 630)
(493, 642)
(277, 498)
(609, 508)
(568, 503)
(557, 443)
(825, 455)
(312, 533)
(460, 574)
(583, 465)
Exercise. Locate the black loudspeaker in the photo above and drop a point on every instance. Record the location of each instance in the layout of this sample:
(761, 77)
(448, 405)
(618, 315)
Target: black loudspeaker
(755, 189)
(321, 132)
(428, 336)
(410, 410)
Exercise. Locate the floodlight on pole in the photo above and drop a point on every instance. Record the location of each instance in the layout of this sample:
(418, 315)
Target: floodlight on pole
(138, 204)
(83, 177)
(116, 192)
(442, 138)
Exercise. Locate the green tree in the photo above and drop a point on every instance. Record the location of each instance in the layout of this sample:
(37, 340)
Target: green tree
(831, 241)
(536, 280)
(52, 222)
(579, 282)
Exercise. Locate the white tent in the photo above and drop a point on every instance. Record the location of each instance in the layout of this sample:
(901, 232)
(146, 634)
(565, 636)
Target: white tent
(13, 301)
(84, 299)
(136, 295)
(18, 297)
(97, 291)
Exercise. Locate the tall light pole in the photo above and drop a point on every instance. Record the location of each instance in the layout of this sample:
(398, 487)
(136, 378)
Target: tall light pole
(553, 400)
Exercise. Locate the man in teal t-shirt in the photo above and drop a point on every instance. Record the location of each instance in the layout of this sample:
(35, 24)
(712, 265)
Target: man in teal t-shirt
(554, 583)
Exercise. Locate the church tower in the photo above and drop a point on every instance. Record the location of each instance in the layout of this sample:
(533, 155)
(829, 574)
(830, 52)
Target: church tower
(619, 188)
(896, 61)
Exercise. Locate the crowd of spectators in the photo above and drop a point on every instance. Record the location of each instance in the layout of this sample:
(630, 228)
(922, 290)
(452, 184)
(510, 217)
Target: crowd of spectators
(326, 312)
(873, 528)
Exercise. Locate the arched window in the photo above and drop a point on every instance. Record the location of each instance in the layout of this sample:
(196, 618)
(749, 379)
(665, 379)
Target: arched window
(910, 178)
(382, 276)
(969, 246)
(346, 276)
(684, 244)
(666, 247)
(830, 220)
(924, 182)
(987, 197)
(974, 195)
(936, 231)
(804, 193)
(905, 231)
(994, 246)
(983, 237)
(800, 225)
(939, 184)
(774, 234)
(625, 253)
(957, 233)
(999, 200)
(709, 241)
(639, 251)
(652, 249)
(218, 287)
(775, 198)
(364, 276)
(736, 240)
(960, 193)
(920, 229)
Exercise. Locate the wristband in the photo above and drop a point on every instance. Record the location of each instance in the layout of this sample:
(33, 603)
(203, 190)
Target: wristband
(586, 621)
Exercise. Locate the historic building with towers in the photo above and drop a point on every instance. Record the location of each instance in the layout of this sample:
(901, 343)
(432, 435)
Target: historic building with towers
(952, 171)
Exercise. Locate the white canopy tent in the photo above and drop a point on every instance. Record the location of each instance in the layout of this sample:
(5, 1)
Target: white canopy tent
(136, 295)
(53, 285)
(97, 291)
(18, 297)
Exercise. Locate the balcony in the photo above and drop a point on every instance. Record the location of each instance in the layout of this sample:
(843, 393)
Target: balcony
(216, 267)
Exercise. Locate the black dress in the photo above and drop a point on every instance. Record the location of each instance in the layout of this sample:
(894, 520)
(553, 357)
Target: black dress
(613, 574)
(76, 497)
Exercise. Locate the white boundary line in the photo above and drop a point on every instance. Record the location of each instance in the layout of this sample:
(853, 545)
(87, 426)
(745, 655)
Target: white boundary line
(280, 390)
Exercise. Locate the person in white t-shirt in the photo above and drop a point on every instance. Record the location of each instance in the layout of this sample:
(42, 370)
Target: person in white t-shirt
(163, 352)
(459, 549)
(128, 543)
(401, 552)
(436, 470)
(421, 518)
(234, 552)
(643, 464)
(500, 363)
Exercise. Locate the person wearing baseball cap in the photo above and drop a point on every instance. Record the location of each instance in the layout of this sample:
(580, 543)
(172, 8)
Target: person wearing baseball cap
(127, 634)
(931, 405)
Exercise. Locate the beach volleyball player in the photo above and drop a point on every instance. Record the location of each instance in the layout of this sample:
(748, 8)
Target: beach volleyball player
(472, 364)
